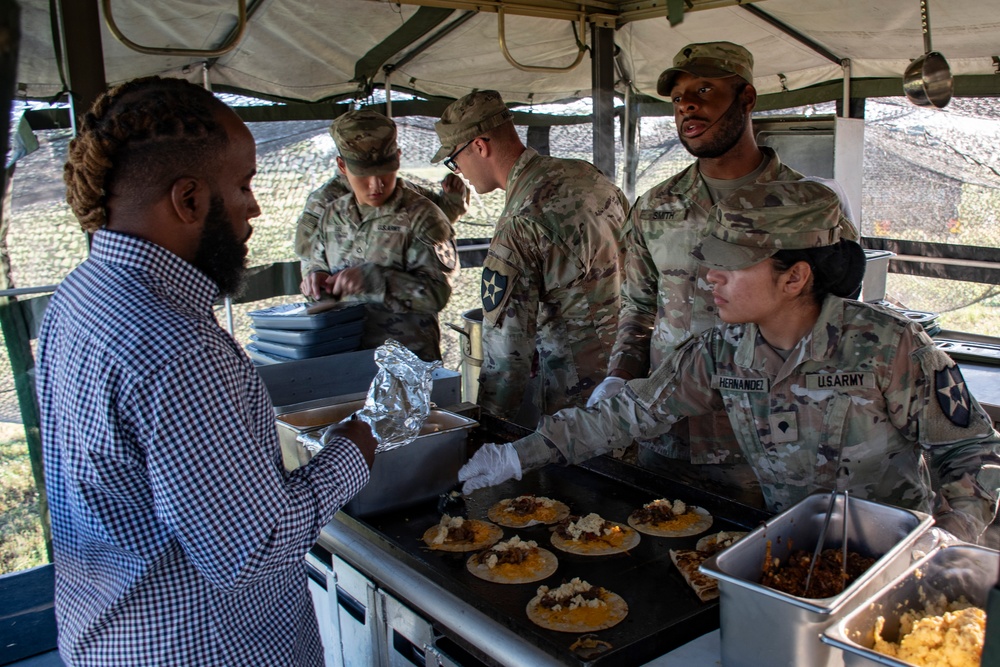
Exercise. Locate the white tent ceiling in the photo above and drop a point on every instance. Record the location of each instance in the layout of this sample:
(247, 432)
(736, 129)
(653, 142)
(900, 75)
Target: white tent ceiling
(312, 50)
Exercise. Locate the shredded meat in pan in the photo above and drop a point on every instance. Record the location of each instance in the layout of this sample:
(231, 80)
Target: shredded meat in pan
(827, 578)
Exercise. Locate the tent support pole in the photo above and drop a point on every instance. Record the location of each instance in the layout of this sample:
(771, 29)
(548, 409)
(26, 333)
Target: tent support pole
(603, 86)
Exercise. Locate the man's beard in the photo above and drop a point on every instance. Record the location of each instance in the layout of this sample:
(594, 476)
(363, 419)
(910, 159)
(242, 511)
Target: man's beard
(221, 256)
(731, 126)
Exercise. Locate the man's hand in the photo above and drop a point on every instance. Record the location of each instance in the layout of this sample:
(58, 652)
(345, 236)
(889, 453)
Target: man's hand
(358, 432)
(314, 284)
(611, 386)
(345, 282)
(452, 183)
(491, 465)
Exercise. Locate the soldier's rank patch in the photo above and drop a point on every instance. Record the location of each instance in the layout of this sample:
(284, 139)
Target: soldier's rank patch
(784, 427)
(494, 286)
(953, 396)
(446, 254)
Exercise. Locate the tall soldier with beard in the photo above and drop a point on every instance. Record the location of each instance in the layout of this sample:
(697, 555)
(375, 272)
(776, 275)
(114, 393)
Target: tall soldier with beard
(179, 538)
(666, 298)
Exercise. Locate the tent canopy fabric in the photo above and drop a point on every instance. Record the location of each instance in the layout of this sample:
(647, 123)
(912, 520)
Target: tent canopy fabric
(328, 50)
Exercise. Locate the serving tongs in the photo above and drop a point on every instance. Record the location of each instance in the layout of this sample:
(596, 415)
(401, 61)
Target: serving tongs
(822, 534)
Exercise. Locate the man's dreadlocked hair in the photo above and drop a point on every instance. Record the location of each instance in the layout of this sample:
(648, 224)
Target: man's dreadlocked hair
(136, 140)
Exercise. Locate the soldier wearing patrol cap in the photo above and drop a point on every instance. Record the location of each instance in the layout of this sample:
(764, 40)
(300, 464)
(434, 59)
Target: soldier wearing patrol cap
(821, 391)
(382, 244)
(666, 298)
(550, 285)
(452, 199)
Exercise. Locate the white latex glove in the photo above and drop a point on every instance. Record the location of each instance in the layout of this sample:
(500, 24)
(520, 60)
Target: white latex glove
(491, 465)
(611, 386)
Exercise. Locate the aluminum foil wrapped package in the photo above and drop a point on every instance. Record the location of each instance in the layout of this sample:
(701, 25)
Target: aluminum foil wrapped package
(399, 398)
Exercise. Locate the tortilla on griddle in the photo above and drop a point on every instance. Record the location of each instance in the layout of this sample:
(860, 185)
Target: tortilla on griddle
(546, 511)
(691, 521)
(620, 539)
(583, 618)
(688, 561)
(538, 563)
(484, 534)
(716, 542)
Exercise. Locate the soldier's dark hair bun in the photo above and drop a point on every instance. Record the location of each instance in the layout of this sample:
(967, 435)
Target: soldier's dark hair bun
(838, 269)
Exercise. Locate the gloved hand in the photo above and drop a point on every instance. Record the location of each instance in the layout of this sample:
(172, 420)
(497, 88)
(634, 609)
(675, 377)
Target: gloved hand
(611, 386)
(491, 465)
(959, 525)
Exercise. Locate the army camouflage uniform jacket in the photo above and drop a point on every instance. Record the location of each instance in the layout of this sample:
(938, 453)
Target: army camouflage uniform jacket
(666, 298)
(452, 204)
(866, 389)
(407, 250)
(551, 283)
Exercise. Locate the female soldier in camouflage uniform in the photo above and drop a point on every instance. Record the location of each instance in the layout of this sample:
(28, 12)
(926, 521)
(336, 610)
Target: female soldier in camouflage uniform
(812, 382)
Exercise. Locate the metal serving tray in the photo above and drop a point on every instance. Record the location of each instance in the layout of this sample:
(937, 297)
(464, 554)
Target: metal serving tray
(763, 626)
(294, 316)
(420, 470)
(311, 336)
(338, 346)
(961, 570)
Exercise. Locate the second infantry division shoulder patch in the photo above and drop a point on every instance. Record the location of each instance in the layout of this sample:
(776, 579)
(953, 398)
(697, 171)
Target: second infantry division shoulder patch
(493, 288)
(953, 396)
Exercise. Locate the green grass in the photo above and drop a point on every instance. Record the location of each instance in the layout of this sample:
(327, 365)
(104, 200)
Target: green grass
(22, 544)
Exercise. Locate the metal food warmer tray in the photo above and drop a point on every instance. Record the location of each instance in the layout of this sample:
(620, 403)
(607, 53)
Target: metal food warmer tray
(488, 620)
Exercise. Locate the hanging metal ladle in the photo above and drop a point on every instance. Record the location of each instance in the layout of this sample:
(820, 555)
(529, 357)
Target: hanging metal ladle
(927, 81)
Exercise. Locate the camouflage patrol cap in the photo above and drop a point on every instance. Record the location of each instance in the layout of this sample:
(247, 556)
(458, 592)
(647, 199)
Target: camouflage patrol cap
(756, 221)
(713, 60)
(468, 117)
(367, 142)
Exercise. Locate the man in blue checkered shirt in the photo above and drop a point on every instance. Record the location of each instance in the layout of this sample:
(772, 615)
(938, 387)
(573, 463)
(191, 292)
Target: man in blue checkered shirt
(179, 537)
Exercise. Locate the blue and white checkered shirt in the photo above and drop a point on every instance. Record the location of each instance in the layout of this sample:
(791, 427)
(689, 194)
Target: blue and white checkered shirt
(179, 537)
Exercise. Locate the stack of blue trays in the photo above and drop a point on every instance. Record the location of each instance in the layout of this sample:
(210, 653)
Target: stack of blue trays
(289, 332)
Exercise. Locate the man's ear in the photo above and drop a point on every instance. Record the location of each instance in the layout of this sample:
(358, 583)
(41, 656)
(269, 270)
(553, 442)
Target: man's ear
(341, 165)
(189, 197)
(749, 98)
(482, 146)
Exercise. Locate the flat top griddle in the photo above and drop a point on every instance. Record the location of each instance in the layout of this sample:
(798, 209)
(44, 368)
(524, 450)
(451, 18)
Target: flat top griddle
(664, 611)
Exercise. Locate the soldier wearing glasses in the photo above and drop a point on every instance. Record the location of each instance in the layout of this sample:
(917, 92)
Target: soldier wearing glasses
(551, 280)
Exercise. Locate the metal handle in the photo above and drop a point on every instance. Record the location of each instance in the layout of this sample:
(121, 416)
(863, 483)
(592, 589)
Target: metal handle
(581, 45)
(843, 546)
(925, 25)
(819, 542)
(458, 329)
(234, 39)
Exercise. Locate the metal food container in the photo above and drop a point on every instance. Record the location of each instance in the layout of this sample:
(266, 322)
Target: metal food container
(961, 570)
(423, 469)
(876, 272)
(763, 626)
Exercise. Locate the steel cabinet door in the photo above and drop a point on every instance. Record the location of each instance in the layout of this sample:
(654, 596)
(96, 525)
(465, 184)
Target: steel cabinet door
(354, 624)
(409, 639)
(319, 585)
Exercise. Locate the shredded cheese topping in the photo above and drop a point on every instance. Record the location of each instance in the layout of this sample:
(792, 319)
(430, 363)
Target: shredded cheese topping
(592, 523)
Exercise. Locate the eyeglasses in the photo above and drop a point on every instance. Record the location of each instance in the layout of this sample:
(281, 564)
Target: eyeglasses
(450, 160)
